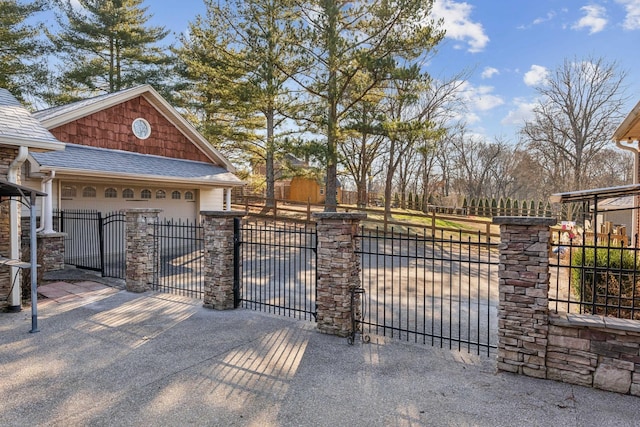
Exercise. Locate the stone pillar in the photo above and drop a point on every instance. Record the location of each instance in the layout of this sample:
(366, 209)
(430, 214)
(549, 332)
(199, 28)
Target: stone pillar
(50, 252)
(523, 309)
(219, 280)
(140, 257)
(338, 271)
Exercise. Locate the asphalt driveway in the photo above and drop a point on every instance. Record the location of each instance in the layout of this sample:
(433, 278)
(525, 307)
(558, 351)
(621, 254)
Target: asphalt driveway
(109, 357)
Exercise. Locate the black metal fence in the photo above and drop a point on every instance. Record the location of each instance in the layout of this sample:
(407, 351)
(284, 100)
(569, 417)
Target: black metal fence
(278, 268)
(94, 241)
(178, 251)
(439, 290)
(598, 277)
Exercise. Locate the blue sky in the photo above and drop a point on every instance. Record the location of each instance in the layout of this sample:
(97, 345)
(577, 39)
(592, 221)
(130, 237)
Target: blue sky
(508, 45)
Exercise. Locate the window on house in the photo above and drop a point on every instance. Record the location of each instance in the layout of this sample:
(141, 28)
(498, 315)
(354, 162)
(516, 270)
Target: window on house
(69, 191)
(188, 195)
(110, 193)
(89, 192)
(145, 194)
(176, 195)
(127, 193)
(161, 194)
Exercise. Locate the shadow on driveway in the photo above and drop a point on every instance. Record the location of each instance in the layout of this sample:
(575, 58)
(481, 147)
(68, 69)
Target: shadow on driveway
(157, 359)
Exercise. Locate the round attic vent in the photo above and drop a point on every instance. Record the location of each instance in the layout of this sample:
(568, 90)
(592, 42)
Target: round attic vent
(141, 128)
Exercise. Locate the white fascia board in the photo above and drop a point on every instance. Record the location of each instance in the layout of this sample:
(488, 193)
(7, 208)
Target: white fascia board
(81, 173)
(626, 124)
(32, 143)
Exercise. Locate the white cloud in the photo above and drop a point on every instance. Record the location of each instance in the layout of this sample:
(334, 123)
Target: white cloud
(632, 19)
(522, 112)
(595, 19)
(536, 75)
(489, 72)
(480, 98)
(549, 17)
(458, 24)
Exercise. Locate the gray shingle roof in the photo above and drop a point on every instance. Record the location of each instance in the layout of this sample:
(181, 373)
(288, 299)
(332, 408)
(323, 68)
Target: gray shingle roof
(95, 160)
(17, 123)
(53, 112)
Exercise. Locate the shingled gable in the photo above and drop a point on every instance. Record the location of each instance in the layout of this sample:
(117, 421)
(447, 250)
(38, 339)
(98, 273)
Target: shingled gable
(105, 122)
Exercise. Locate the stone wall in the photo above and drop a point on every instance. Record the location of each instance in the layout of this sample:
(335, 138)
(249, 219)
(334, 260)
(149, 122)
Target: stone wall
(593, 351)
(50, 252)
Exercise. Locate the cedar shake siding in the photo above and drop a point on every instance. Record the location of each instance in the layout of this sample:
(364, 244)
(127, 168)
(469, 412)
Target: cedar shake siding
(111, 128)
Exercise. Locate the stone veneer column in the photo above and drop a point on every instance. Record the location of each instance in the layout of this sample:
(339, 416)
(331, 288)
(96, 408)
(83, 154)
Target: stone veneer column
(523, 309)
(140, 257)
(50, 252)
(338, 271)
(219, 258)
(7, 155)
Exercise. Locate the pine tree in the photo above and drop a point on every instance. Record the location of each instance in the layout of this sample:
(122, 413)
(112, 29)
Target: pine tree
(340, 40)
(106, 46)
(22, 70)
(234, 58)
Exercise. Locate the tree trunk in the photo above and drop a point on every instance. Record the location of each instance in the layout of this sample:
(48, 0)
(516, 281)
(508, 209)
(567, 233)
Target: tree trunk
(270, 168)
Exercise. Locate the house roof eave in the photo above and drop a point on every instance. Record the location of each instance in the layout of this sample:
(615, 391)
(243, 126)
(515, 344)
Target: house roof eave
(203, 181)
(32, 143)
(629, 129)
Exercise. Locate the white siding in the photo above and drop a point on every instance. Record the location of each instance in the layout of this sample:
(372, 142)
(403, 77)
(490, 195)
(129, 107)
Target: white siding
(211, 199)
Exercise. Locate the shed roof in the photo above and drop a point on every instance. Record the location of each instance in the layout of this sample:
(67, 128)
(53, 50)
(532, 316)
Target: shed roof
(9, 189)
(596, 193)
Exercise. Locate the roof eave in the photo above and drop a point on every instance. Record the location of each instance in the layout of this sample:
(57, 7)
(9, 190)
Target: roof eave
(61, 172)
(621, 133)
(32, 143)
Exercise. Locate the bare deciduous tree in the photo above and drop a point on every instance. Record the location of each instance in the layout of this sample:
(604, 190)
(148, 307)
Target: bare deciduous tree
(580, 105)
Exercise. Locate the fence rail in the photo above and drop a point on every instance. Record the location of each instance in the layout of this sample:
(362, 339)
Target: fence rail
(291, 211)
(441, 291)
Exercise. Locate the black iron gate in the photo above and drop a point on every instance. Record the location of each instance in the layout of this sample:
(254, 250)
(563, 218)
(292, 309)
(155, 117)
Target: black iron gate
(94, 241)
(178, 252)
(438, 290)
(275, 268)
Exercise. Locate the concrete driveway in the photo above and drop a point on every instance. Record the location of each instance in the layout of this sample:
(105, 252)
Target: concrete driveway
(108, 357)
